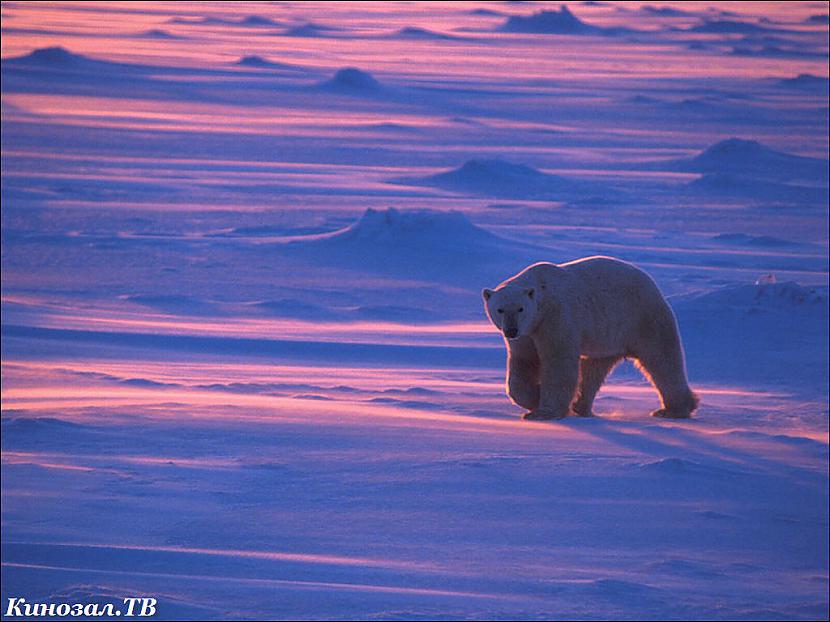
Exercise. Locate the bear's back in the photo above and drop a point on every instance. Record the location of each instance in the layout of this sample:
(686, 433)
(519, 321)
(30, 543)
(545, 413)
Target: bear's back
(612, 276)
(612, 298)
(598, 263)
(596, 278)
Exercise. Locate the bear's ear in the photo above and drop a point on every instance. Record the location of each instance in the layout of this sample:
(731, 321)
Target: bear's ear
(486, 293)
(530, 292)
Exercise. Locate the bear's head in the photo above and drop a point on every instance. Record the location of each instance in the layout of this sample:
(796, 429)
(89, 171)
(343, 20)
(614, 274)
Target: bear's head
(512, 309)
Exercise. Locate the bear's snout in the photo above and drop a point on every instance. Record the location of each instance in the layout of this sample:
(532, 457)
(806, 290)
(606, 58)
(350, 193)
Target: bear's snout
(511, 331)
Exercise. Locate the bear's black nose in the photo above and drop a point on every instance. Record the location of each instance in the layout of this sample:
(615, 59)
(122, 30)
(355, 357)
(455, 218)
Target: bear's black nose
(511, 332)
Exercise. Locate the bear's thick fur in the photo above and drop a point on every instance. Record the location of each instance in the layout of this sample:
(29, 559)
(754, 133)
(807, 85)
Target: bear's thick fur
(567, 325)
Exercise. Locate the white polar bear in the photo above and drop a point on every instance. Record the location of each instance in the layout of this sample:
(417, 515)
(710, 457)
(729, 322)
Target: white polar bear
(566, 326)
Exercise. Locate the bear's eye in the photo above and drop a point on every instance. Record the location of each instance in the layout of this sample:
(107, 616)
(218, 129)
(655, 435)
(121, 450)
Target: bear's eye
(521, 309)
(500, 310)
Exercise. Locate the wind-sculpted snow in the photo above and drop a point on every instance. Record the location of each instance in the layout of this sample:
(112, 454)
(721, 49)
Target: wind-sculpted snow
(421, 244)
(246, 369)
(248, 21)
(762, 296)
(352, 81)
(807, 82)
(748, 172)
(158, 33)
(665, 11)
(258, 62)
(413, 228)
(744, 239)
(757, 324)
(745, 188)
(733, 157)
(730, 26)
(415, 33)
(59, 60)
(561, 22)
(309, 30)
(500, 178)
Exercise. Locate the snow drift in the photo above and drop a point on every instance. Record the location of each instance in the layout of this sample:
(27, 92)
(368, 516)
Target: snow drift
(752, 158)
(353, 81)
(443, 246)
(561, 22)
(740, 187)
(499, 178)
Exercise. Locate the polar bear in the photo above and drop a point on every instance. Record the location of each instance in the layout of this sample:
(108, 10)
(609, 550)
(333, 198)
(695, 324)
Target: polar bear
(567, 325)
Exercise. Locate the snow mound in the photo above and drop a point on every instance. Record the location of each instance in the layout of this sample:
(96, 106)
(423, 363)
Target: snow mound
(352, 81)
(485, 13)
(157, 33)
(561, 22)
(250, 21)
(774, 51)
(500, 178)
(253, 61)
(752, 158)
(58, 61)
(682, 466)
(438, 246)
(258, 21)
(806, 82)
(484, 171)
(415, 33)
(744, 239)
(642, 99)
(258, 62)
(310, 30)
(762, 334)
(734, 150)
(664, 11)
(766, 294)
(52, 57)
(696, 105)
(728, 26)
(413, 227)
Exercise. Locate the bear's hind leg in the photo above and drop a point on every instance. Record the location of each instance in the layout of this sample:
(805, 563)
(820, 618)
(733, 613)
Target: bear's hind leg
(523, 373)
(661, 360)
(592, 373)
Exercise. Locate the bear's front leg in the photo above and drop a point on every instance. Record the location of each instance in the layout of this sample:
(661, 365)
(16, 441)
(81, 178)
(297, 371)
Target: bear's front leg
(523, 372)
(559, 377)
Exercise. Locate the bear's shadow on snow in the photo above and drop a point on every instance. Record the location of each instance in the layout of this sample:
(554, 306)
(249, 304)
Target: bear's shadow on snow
(679, 449)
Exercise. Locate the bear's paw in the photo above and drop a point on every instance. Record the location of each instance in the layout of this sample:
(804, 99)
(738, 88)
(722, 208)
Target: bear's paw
(670, 414)
(543, 414)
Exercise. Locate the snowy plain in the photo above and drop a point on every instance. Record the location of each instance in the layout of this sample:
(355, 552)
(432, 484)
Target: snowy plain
(245, 365)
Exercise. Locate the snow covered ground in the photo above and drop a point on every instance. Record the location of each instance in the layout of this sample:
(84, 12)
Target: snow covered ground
(246, 369)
